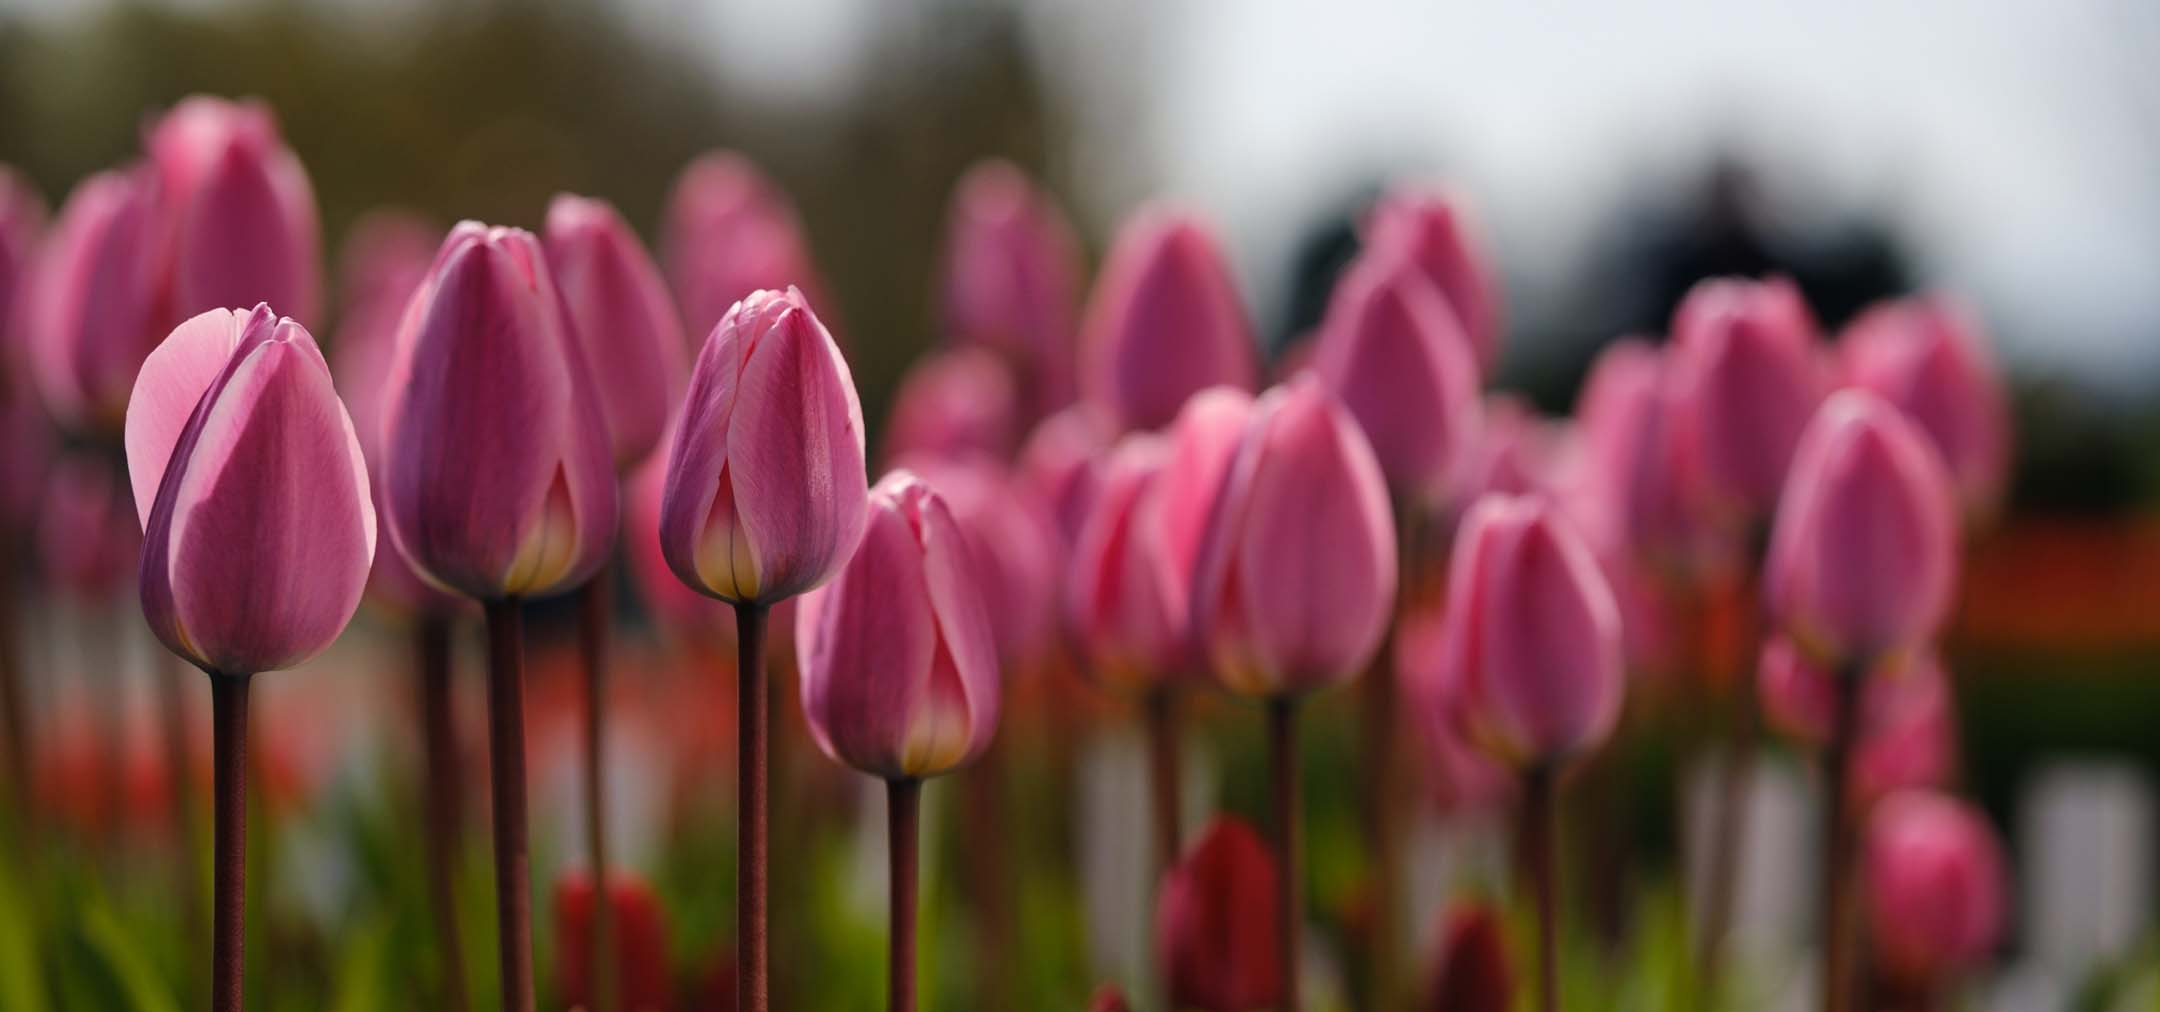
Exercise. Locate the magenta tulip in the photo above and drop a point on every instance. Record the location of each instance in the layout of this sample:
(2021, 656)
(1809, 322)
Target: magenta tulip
(1399, 360)
(1435, 229)
(731, 232)
(765, 494)
(1749, 373)
(1216, 922)
(1163, 322)
(1012, 550)
(1012, 279)
(954, 403)
(236, 210)
(1935, 881)
(1927, 356)
(1644, 472)
(1863, 560)
(623, 318)
(90, 309)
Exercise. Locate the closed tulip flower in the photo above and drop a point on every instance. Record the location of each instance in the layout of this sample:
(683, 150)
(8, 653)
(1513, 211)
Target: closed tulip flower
(1121, 596)
(765, 489)
(730, 232)
(1516, 452)
(1011, 549)
(1204, 439)
(1216, 921)
(622, 316)
(1928, 357)
(1060, 466)
(1863, 560)
(1645, 473)
(1935, 883)
(1459, 777)
(1399, 360)
(1435, 230)
(90, 309)
(1163, 322)
(237, 211)
(955, 403)
(1473, 972)
(642, 981)
(1012, 279)
(1747, 352)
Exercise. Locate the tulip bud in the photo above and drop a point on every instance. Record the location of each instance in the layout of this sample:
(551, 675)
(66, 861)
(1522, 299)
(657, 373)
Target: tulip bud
(89, 307)
(85, 544)
(1935, 885)
(1746, 352)
(1061, 467)
(1516, 451)
(1109, 999)
(1399, 360)
(765, 483)
(1012, 278)
(954, 404)
(500, 483)
(1863, 559)
(1533, 635)
(639, 945)
(679, 609)
(1473, 972)
(1012, 550)
(1644, 472)
(1436, 231)
(1927, 357)
(622, 317)
(1204, 439)
(1216, 923)
(1296, 580)
(1163, 322)
(236, 210)
(1907, 733)
(899, 664)
(1121, 596)
(1458, 777)
(731, 232)
(258, 524)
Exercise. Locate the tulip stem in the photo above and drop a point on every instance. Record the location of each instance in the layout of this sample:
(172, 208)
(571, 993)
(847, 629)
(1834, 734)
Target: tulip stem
(750, 870)
(506, 751)
(1283, 780)
(229, 716)
(14, 719)
(1540, 830)
(1376, 725)
(443, 791)
(594, 612)
(1837, 842)
(1163, 773)
(903, 803)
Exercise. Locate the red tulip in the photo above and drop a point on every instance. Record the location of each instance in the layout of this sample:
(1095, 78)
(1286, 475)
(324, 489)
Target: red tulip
(1935, 885)
(1012, 550)
(1163, 322)
(1216, 921)
(1927, 357)
(731, 232)
(1399, 360)
(258, 525)
(1435, 229)
(1473, 972)
(765, 484)
(1012, 278)
(623, 318)
(235, 209)
(899, 663)
(1747, 357)
(1863, 559)
(640, 944)
(1296, 581)
(91, 307)
(1109, 999)
(954, 404)
(85, 544)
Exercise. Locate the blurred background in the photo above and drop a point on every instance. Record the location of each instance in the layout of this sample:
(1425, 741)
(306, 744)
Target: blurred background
(1617, 153)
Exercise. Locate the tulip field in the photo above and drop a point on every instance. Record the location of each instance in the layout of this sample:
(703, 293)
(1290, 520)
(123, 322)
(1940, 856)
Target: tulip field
(483, 617)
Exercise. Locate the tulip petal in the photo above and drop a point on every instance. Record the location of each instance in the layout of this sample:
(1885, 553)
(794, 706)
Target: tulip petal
(1549, 616)
(872, 631)
(964, 683)
(172, 382)
(236, 244)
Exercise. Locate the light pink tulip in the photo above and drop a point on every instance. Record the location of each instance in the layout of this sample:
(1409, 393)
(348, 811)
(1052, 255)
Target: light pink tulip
(1437, 231)
(1643, 468)
(91, 303)
(899, 664)
(1296, 580)
(954, 403)
(1396, 356)
(1122, 600)
(236, 214)
(1163, 322)
(1863, 560)
(731, 232)
(1533, 636)
(1012, 549)
(1927, 356)
(1012, 279)
(500, 483)
(258, 525)
(623, 318)
(1936, 882)
(765, 485)
(1061, 467)
(1750, 374)
(86, 546)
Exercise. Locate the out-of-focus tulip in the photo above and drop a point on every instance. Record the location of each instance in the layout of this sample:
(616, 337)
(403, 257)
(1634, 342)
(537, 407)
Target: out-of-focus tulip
(899, 664)
(86, 546)
(731, 232)
(1204, 439)
(1216, 920)
(91, 306)
(1435, 229)
(499, 481)
(258, 526)
(1644, 471)
(1399, 360)
(1863, 559)
(1460, 778)
(1751, 377)
(22, 223)
(1533, 635)
(954, 403)
(1473, 972)
(1163, 322)
(1908, 734)
(1012, 279)
(1109, 999)
(235, 210)
(1012, 549)
(640, 944)
(1296, 581)
(1061, 466)
(1927, 357)
(1935, 879)
(1121, 598)
(1516, 452)
(26, 452)
(765, 486)
(622, 317)
(681, 610)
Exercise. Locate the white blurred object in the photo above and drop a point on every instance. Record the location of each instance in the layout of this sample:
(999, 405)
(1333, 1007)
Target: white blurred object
(1448, 857)
(1774, 884)
(2085, 835)
(1117, 849)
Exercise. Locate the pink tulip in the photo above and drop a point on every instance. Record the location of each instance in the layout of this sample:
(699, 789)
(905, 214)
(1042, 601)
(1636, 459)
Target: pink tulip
(258, 526)
(1163, 322)
(1399, 360)
(85, 544)
(1061, 467)
(1907, 735)
(1121, 598)
(1927, 356)
(235, 209)
(954, 403)
(1533, 635)
(1863, 560)
(765, 483)
(1935, 880)
(500, 484)
(1216, 920)
(899, 663)
(1296, 581)
(1747, 357)
(1460, 779)
(1473, 972)
(623, 318)
(679, 609)
(731, 232)
(1012, 550)
(1516, 451)
(1436, 230)
(1645, 474)
(1012, 278)
(1204, 439)
(91, 302)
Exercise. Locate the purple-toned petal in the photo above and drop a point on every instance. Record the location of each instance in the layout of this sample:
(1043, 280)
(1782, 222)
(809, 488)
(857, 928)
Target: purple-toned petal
(868, 641)
(172, 382)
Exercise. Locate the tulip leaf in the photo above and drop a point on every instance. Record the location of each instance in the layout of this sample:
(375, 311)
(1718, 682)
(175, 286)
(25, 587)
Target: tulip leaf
(22, 984)
(360, 969)
(128, 965)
